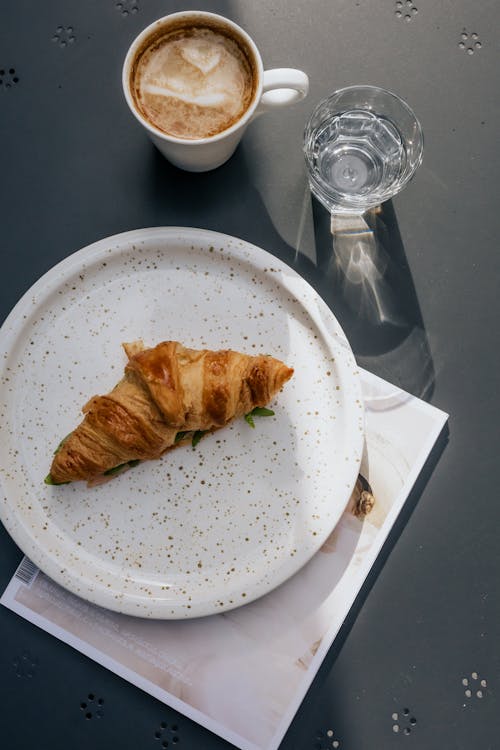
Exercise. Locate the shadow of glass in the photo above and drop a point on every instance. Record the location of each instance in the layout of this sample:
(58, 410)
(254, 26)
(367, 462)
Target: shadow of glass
(367, 281)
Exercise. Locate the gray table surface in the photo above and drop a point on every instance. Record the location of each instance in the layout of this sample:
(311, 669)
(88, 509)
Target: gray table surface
(75, 167)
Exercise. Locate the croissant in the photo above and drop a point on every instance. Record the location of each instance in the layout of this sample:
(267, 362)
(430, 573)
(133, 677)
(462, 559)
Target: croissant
(168, 394)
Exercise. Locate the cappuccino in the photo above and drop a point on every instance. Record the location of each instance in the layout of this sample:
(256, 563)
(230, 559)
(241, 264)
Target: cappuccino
(193, 80)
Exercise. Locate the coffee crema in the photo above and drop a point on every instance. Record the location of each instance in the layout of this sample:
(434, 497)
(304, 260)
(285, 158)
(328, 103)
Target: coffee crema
(193, 81)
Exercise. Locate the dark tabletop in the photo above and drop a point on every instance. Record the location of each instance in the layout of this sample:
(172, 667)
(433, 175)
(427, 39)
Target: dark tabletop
(75, 167)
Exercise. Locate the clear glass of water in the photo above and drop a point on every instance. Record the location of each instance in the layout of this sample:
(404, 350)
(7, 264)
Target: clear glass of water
(362, 145)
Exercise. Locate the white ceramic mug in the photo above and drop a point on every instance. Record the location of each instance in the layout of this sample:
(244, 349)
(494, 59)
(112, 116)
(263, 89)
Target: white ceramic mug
(274, 88)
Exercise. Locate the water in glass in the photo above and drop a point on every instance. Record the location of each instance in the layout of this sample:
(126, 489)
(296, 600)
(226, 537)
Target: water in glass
(357, 153)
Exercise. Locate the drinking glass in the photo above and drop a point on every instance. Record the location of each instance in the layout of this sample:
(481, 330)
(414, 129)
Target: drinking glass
(362, 145)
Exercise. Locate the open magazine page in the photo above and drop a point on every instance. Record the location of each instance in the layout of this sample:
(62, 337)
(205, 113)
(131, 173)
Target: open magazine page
(243, 673)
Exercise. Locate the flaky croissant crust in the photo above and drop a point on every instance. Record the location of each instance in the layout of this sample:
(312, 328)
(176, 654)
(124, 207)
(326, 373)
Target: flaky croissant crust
(166, 391)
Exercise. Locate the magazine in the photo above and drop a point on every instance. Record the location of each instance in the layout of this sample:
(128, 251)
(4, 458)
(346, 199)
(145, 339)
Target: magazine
(242, 674)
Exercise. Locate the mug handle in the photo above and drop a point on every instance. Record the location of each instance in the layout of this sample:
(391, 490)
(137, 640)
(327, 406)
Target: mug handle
(281, 87)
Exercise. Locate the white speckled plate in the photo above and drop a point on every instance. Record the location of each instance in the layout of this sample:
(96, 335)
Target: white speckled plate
(202, 530)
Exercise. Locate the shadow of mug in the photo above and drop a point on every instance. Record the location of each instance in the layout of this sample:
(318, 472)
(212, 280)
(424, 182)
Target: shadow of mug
(367, 282)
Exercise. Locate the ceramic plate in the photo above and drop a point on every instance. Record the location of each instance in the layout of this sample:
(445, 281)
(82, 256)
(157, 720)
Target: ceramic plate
(201, 530)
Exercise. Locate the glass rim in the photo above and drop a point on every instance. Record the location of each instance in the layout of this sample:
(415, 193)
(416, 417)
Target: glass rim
(361, 86)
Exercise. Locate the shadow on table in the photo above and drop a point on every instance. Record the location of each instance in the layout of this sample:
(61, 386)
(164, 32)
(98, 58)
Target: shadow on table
(223, 200)
(367, 281)
(362, 273)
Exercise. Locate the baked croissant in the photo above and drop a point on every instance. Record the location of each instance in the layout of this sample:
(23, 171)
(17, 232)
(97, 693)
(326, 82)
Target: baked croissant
(168, 394)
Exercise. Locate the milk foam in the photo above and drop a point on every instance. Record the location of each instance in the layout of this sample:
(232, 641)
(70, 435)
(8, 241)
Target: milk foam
(193, 83)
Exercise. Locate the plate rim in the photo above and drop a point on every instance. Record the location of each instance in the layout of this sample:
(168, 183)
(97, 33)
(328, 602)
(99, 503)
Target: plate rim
(106, 597)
